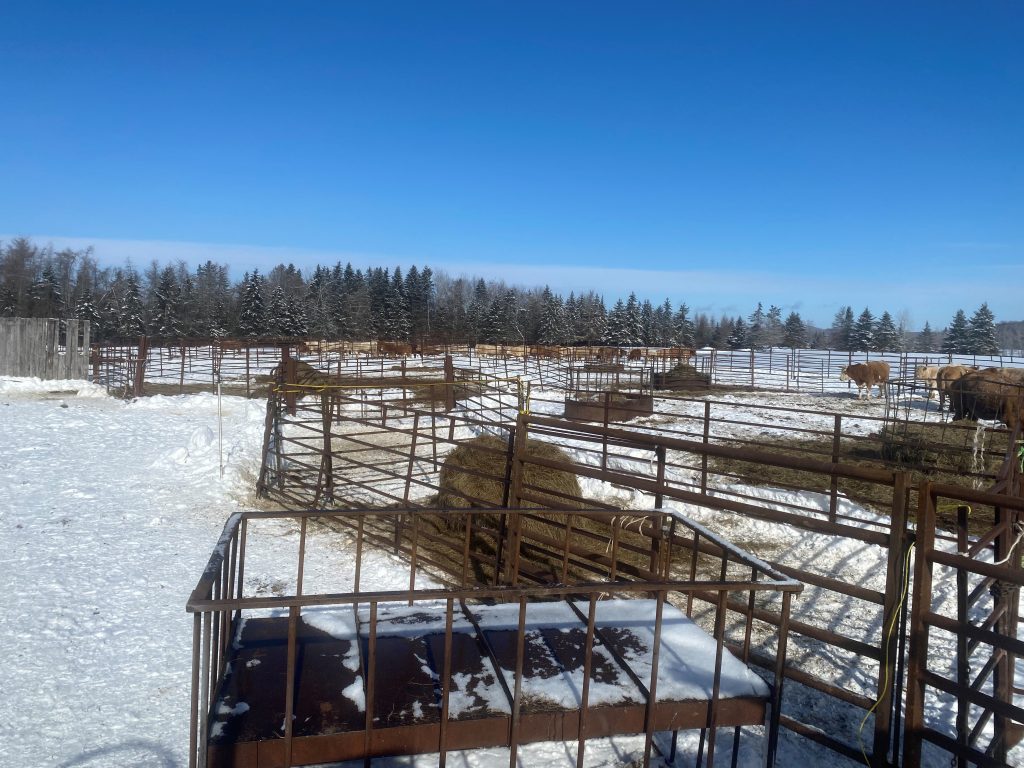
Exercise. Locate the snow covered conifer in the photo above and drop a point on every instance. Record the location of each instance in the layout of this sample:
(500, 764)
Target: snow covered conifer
(684, 333)
(957, 339)
(926, 339)
(794, 332)
(252, 313)
(887, 338)
(982, 332)
(862, 335)
(552, 319)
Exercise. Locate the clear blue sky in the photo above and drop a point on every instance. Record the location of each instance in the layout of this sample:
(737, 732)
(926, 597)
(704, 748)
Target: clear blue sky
(803, 154)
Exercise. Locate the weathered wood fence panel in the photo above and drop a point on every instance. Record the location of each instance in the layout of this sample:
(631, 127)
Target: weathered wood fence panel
(32, 347)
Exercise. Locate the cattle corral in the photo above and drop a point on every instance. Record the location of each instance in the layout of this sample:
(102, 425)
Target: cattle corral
(822, 467)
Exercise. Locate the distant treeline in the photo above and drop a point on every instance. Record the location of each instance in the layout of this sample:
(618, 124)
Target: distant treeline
(421, 305)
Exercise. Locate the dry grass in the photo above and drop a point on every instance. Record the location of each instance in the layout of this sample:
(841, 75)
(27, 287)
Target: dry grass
(941, 453)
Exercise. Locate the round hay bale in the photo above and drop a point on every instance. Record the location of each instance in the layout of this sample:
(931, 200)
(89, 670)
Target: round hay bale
(473, 475)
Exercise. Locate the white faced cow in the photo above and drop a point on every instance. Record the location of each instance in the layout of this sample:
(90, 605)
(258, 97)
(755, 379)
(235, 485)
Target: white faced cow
(867, 375)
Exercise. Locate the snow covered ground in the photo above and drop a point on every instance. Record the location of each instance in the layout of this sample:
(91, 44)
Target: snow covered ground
(108, 512)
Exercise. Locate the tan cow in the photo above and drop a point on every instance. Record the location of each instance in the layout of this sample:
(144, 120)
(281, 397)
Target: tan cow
(928, 374)
(866, 376)
(946, 376)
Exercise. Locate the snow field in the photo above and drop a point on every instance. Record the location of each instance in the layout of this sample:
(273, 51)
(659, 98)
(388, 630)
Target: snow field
(108, 513)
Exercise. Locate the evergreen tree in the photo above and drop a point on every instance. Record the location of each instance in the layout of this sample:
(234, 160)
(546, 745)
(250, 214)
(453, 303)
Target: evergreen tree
(130, 314)
(926, 339)
(479, 313)
(633, 322)
(646, 335)
(592, 326)
(982, 332)
(165, 321)
(862, 337)
(887, 338)
(47, 299)
(8, 301)
(552, 319)
(395, 324)
(956, 340)
(616, 329)
(739, 336)
(663, 325)
(85, 309)
(773, 327)
(571, 313)
(252, 313)
(755, 332)
(297, 325)
(278, 321)
(842, 329)
(684, 332)
(794, 332)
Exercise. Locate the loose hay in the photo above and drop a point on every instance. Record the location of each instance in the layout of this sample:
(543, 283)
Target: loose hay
(473, 475)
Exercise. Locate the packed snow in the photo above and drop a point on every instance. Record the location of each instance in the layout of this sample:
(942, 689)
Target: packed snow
(108, 513)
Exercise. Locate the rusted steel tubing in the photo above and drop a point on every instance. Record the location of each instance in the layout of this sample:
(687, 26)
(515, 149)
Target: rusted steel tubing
(778, 680)
(820, 737)
(821, 467)
(518, 694)
(974, 756)
(445, 685)
(717, 502)
(652, 687)
(716, 685)
(1005, 573)
(997, 706)
(369, 671)
(956, 493)
(193, 730)
(483, 593)
(587, 669)
(995, 639)
(807, 679)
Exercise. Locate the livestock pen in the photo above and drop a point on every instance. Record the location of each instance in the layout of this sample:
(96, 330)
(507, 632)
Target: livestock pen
(697, 472)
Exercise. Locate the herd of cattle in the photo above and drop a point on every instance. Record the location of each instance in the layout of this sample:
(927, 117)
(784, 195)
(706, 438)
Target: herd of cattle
(973, 393)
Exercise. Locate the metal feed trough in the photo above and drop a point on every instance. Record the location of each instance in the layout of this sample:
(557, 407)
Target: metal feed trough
(632, 640)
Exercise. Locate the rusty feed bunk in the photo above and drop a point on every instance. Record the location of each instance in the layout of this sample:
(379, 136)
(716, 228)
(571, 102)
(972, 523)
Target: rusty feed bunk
(307, 677)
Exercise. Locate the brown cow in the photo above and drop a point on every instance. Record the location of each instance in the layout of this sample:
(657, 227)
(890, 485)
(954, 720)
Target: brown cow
(867, 375)
(992, 393)
(395, 348)
(636, 354)
(945, 377)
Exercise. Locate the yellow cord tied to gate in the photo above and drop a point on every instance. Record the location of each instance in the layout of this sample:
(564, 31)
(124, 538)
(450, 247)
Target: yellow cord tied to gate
(944, 507)
(885, 655)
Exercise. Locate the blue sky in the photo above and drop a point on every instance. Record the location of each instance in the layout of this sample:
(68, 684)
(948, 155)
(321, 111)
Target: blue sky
(809, 155)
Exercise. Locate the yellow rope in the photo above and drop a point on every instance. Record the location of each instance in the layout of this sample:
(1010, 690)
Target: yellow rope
(885, 656)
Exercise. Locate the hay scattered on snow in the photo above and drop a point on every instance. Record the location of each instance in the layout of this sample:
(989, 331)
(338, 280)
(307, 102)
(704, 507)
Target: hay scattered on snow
(473, 475)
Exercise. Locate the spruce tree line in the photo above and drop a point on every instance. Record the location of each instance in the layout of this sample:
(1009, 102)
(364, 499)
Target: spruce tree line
(420, 305)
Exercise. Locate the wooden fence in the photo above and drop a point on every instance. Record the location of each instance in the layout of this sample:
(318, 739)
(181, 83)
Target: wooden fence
(44, 347)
